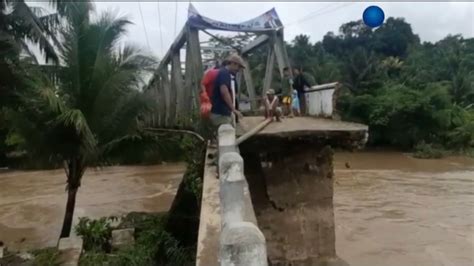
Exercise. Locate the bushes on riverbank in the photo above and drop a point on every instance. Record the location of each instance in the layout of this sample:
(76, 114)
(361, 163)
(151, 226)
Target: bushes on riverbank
(40, 257)
(160, 239)
(153, 244)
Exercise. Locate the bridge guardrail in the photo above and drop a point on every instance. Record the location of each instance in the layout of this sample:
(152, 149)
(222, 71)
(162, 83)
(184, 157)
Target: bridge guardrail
(241, 242)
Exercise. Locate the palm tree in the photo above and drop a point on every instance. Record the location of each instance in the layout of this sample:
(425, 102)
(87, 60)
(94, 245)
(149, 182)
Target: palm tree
(21, 24)
(95, 104)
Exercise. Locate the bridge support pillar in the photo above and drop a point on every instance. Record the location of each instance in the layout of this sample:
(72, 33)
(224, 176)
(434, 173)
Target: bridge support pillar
(292, 193)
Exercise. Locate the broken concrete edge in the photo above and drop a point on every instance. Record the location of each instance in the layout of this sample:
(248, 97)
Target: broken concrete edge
(242, 242)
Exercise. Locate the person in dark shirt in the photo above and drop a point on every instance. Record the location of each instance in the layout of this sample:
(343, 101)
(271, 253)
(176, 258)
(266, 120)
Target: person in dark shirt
(300, 84)
(224, 94)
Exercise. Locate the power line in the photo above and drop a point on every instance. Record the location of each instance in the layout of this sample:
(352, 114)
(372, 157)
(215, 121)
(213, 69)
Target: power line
(312, 13)
(144, 27)
(330, 11)
(159, 27)
(321, 13)
(175, 17)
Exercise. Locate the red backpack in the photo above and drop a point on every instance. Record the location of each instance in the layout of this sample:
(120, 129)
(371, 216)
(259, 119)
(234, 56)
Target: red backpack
(205, 95)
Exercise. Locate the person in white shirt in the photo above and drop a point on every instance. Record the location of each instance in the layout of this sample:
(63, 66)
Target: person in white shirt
(271, 102)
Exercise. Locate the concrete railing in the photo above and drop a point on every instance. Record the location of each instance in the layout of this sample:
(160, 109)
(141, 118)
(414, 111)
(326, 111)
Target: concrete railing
(241, 242)
(321, 99)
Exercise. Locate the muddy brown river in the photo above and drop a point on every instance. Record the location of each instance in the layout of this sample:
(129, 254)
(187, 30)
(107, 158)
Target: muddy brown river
(390, 209)
(394, 210)
(32, 203)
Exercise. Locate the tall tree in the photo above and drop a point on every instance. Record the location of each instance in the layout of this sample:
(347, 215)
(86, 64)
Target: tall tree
(301, 51)
(20, 26)
(94, 106)
(394, 38)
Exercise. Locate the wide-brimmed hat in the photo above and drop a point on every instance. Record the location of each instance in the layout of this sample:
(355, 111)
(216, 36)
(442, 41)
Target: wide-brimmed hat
(236, 59)
(270, 92)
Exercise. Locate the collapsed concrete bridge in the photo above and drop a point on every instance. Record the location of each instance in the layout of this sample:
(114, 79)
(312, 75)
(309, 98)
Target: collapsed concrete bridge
(269, 200)
(284, 188)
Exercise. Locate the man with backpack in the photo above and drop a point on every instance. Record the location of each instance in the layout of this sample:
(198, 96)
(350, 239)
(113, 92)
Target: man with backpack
(218, 93)
(223, 97)
(207, 87)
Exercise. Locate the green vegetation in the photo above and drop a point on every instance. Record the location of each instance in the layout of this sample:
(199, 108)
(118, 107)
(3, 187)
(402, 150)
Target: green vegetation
(184, 214)
(95, 233)
(195, 164)
(84, 110)
(85, 107)
(153, 244)
(40, 257)
(46, 257)
(160, 239)
(406, 91)
(427, 151)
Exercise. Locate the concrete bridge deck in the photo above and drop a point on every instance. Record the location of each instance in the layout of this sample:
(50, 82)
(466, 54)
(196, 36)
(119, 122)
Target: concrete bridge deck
(299, 126)
(319, 131)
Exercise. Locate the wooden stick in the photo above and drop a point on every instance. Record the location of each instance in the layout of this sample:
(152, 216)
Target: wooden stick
(253, 131)
(322, 87)
(177, 131)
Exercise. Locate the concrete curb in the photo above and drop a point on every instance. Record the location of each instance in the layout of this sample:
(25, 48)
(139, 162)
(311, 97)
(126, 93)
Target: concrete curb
(241, 243)
(232, 188)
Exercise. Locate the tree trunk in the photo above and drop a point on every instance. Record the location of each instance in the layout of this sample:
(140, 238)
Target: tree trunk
(74, 170)
(70, 206)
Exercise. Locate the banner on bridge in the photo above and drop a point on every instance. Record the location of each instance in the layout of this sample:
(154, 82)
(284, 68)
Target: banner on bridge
(268, 21)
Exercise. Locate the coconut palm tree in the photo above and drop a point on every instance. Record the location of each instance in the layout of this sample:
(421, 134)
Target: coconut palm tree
(20, 25)
(95, 103)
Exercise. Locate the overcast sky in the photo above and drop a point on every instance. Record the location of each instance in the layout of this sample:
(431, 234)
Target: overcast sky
(432, 21)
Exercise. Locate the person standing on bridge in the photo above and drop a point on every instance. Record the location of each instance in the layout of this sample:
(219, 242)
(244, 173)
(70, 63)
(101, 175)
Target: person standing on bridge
(301, 84)
(286, 90)
(223, 96)
(207, 87)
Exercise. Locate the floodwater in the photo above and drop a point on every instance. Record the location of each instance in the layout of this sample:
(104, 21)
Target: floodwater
(392, 210)
(32, 203)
